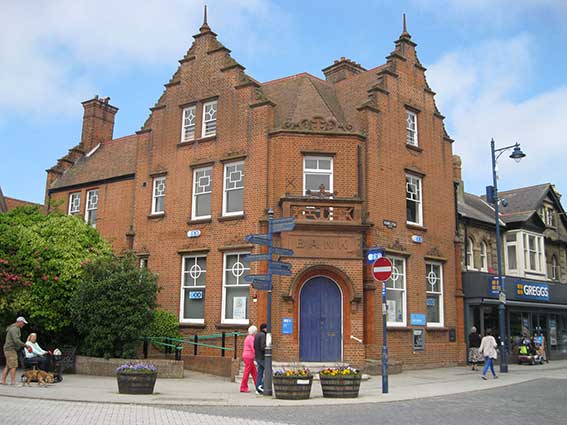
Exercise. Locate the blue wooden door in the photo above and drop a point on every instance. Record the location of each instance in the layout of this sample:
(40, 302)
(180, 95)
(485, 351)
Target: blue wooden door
(320, 331)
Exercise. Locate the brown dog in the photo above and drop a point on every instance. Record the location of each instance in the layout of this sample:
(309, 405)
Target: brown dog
(42, 378)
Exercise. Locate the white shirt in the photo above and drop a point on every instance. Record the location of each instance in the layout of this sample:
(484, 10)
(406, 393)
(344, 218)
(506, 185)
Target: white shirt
(488, 347)
(36, 350)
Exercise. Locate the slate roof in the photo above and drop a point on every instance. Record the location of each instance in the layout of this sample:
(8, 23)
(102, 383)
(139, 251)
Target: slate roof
(523, 202)
(474, 207)
(114, 158)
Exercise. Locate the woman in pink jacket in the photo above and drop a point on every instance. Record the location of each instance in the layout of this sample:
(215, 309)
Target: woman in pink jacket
(248, 358)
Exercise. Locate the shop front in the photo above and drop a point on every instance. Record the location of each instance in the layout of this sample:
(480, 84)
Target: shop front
(540, 307)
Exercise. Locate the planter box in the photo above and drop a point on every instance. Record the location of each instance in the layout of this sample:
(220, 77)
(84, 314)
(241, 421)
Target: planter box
(340, 386)
(136, 382)
(292, 388)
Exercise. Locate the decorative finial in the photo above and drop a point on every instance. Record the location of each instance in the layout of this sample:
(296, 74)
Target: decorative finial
(405, 32)
(205, 27)
(205, 17)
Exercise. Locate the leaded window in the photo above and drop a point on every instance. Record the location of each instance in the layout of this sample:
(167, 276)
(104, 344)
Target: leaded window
(434, 291)
(193, 285)
(158, 198)
(91, 207)
(202, 189)
(396, 293)
(414, 200)
(233, 199)
(189, 120)
(210, 118)
(75, 203)
(411, 128)
(236, 291)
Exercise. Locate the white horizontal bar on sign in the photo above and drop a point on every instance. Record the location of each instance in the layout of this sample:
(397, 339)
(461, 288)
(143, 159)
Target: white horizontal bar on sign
(382, 269)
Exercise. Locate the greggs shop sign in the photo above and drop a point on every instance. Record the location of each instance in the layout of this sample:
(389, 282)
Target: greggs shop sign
(532, 290)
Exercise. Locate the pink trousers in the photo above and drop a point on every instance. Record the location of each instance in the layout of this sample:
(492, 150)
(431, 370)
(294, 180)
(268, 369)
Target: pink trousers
(249, 369)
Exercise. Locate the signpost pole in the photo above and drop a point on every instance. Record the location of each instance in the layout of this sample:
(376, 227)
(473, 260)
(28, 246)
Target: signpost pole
(268, 351)
(384, 342)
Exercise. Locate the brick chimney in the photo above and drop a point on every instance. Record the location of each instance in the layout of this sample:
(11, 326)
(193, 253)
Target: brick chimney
(342, 69)
(98, 122)
(457, 177)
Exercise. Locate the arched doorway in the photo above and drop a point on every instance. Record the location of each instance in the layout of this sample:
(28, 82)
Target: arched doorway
(320, 318)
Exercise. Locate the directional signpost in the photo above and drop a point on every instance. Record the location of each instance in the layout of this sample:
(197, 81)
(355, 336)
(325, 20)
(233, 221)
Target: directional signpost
(381, 271)
(263, 282)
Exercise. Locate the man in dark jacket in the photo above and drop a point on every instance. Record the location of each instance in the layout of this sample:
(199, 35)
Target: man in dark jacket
(260, 348)
(12, 345)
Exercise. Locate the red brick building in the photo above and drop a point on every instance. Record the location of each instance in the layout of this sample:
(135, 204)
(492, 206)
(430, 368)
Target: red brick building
(360, 159)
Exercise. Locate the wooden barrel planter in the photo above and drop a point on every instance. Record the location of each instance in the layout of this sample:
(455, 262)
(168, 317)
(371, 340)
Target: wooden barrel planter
(292, 388)
(340, 386)
(136, 382)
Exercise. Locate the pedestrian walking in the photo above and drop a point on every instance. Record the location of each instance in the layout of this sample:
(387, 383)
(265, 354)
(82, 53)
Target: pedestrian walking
(488, 350)
(11, 346)
(474, 344)
(248, 358)
(260, 352)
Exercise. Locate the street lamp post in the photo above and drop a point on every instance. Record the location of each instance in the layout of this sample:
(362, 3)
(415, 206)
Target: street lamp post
(516, 155)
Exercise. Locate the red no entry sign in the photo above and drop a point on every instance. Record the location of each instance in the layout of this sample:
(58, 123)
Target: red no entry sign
(382, 269)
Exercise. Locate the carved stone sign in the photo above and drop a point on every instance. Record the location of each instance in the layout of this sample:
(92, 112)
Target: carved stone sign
(317, 123)
(324, 246)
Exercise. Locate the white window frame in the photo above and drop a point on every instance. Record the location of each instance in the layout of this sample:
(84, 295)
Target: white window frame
(144, 262)
(207, 119)
(88, 210)
(225, 190)
(440, 294)
(72, 196)
(318, 171)
(554, 266)
(483, 256)
(469, 250)
(188, 287)
(522, 245)
(194, 215)
(155, 197)
(411, 133)
(246, 269)
(413, 179)
(188, 123)
(403, 274)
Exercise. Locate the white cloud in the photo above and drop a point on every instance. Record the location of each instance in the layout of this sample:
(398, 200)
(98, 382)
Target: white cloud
(480, 91)
(55, 48)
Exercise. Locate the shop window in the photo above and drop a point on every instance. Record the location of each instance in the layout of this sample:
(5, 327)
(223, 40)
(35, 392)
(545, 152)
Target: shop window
(193, 285)
(236, 292)
(396, 293)
(434, 291)
(317, 174)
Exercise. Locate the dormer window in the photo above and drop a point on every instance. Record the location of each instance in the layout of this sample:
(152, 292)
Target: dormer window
(548, 216)
(210, 119)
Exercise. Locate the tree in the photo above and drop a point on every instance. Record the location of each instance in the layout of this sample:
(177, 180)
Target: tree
(41, 265)
(113, 307)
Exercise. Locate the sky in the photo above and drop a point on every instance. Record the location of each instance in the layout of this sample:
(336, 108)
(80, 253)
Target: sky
(499, 68)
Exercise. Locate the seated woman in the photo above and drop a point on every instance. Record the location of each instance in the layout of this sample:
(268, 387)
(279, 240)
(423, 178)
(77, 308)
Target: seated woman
(34, 352)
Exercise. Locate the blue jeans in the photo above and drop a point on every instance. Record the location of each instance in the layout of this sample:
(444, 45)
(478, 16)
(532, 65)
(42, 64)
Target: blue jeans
(260, 379)
(488, 363)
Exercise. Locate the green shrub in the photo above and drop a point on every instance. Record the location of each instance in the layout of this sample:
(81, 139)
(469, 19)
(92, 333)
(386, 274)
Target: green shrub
(164, 324)
(113, 306)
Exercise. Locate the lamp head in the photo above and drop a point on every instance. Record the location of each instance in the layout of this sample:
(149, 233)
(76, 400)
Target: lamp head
(517, 154)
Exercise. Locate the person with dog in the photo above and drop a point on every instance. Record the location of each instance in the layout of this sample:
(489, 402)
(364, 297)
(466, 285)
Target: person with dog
(34, 352)
(11, 346)
(260, 349)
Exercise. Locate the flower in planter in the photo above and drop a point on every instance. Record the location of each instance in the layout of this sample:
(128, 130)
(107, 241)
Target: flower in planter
(137, 368)
(294, 373)
(340, 371)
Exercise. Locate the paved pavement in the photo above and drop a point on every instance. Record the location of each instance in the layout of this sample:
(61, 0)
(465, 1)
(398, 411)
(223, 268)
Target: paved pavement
(528, 394)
